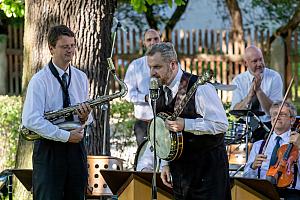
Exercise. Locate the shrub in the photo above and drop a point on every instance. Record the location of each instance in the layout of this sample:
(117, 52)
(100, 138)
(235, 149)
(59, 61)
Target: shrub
(10, 118)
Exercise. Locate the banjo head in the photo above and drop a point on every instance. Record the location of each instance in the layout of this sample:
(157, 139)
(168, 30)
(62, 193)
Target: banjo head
(163, 140)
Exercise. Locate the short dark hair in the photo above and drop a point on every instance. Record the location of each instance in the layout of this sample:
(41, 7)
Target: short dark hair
(56, 31)
(166, 49)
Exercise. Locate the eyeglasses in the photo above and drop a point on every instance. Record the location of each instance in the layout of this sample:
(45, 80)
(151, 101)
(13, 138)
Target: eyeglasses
(67, 47)
(274, 114)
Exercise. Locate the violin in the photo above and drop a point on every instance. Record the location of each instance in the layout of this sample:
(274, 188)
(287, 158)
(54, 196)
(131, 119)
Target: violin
(282, 172)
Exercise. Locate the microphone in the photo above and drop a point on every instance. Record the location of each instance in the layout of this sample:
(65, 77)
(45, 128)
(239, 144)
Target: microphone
(154, 88)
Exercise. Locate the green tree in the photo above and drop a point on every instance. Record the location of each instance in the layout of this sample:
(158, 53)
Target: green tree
(12, 8)
(153, 12)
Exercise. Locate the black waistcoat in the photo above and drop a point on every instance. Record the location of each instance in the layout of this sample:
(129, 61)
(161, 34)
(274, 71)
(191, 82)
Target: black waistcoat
(192, 143)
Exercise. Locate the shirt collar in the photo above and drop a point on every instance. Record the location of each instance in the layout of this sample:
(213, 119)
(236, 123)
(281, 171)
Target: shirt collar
(285, 136)
(250, 76)
(60, 71)
(175, 83)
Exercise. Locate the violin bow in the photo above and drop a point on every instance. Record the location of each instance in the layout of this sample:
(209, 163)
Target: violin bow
(276, 119)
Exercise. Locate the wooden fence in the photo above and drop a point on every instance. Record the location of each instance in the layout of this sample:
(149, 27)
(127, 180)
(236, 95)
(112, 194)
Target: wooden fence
(197, 50)
(14, 59)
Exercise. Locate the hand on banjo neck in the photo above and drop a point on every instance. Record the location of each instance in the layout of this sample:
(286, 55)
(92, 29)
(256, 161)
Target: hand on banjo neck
(175, 126)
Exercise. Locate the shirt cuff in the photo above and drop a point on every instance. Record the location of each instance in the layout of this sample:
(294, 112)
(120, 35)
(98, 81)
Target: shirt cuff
(63, 135)
(188, 124)
(164, 163)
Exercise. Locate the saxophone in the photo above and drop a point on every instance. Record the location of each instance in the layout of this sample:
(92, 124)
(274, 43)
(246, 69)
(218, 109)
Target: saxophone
(65, 112)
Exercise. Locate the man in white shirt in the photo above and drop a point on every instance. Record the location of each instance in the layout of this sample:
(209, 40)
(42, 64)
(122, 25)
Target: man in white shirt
(257, 88)
(201, 172)
(137, 79)
(258, 164)
(59, 157)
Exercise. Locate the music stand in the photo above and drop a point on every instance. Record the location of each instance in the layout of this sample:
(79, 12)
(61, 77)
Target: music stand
(24, 176)
(119, 181)
(260, 188)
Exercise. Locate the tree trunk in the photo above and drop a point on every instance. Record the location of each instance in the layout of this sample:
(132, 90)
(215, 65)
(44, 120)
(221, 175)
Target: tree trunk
(91, 21)
(174, 19)
(170, 24)
(236, 20)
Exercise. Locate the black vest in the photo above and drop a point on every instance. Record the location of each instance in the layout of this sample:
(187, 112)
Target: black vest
(191, 143)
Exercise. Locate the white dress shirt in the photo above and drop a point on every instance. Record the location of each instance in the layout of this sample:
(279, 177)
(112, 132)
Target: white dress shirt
(137, 79)
(271, 85)
(208, 105)
(44, 93)
(249, 172)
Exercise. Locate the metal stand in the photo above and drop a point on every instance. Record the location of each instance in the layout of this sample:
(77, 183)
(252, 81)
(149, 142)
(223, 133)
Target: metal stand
(154, 186)
(247, 134)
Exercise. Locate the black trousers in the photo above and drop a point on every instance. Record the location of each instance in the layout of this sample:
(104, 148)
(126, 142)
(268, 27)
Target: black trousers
(59, 170)
(289, 194)
(205, 176)
(140, 131)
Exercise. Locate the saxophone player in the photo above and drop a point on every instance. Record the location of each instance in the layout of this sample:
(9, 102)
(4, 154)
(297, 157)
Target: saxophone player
(59, 157)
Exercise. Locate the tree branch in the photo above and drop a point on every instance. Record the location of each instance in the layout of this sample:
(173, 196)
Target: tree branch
(291, 25)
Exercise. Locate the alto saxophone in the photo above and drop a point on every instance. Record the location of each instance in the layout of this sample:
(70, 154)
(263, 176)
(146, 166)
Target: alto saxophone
(65, 112)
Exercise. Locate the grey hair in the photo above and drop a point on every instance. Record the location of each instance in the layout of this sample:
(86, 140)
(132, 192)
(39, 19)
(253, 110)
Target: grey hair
(166, 49)
(292, 108)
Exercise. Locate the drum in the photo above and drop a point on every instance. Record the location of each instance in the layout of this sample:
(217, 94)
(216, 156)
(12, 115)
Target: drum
(139, 153)
(237, 155)
(143, 160)
(235, 132)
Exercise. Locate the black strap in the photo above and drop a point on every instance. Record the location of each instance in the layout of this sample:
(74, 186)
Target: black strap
(65, 92)
(259, 152)
(56, 75)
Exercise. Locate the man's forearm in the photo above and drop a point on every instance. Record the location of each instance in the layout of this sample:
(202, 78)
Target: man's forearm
(243, 104)
(264, 101)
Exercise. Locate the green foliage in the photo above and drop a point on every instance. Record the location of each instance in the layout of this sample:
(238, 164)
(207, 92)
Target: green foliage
(122, 118)
(230, 117)
(278, 10)
(12, 8)
(10, 118)
(140, 5)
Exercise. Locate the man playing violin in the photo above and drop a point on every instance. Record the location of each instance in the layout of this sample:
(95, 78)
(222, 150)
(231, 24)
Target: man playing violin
(258, 164)
(202, 170)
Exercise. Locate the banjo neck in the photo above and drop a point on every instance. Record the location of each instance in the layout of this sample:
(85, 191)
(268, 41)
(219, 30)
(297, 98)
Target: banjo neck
(200, 81)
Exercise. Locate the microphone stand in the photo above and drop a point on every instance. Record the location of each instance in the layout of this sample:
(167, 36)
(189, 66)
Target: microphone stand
(154, 186)
(104, 106)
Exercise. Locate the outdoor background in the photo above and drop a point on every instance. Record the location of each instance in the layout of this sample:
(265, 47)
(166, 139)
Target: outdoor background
(207, 34)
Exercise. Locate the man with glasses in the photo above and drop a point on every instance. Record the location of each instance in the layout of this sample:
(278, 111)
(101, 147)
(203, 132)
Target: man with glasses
(257, 89)
(59, 157)
(258, 164)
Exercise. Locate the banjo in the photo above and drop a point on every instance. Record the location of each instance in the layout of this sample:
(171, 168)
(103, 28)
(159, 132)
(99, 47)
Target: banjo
(169, 144)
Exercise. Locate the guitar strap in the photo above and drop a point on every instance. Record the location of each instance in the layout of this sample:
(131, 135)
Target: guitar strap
(182, 89)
